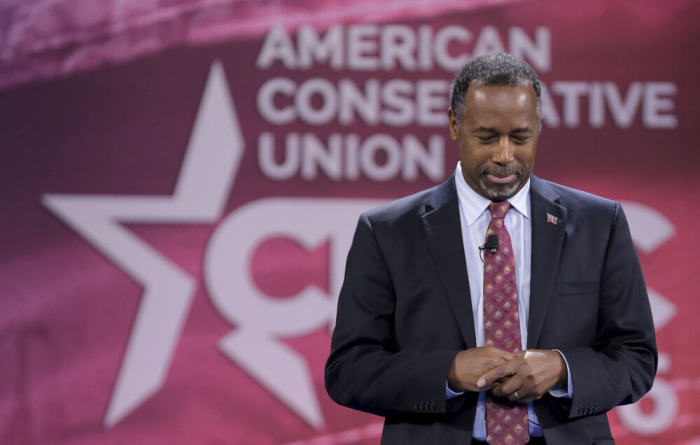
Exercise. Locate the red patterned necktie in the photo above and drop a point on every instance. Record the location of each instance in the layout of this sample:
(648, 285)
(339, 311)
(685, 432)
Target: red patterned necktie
(506, 423)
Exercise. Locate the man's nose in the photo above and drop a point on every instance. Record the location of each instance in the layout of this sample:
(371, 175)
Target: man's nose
(503, 152)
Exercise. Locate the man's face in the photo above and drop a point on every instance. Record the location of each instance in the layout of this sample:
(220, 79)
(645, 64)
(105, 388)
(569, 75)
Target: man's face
(497, 137)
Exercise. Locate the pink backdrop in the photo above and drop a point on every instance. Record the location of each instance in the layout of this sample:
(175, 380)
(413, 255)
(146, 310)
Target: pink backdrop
(181, 179)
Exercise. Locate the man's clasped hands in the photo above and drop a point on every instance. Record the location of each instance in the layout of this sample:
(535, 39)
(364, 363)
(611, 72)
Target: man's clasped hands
(519, 377)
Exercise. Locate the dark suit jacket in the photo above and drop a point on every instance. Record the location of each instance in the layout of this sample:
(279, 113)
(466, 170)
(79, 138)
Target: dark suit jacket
(405, 311)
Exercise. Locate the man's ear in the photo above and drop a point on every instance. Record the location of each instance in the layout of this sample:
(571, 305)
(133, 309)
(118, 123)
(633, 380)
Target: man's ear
(453, 124)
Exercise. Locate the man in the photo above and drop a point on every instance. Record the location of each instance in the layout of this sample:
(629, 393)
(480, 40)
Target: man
(497, 306)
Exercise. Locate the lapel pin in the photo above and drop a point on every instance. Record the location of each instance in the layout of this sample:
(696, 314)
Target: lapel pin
(552, 219)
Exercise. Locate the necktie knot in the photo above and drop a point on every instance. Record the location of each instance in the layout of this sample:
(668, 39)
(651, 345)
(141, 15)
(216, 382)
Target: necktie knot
(499, 209)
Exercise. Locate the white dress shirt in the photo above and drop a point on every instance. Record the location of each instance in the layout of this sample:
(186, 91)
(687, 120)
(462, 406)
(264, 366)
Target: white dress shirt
(474, 220)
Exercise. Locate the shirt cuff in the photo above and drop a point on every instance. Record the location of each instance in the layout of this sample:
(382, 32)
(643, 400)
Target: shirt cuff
(451, 394)
(559, 390)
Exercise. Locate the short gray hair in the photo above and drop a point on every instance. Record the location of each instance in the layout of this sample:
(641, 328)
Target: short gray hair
(497, 69)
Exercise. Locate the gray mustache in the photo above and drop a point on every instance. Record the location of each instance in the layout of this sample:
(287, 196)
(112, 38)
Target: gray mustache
(502, 172)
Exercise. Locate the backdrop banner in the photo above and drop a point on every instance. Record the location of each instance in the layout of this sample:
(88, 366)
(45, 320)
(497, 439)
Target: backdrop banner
(180, 197)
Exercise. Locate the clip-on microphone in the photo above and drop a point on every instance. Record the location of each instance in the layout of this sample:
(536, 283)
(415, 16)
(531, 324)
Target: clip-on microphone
(490, 246)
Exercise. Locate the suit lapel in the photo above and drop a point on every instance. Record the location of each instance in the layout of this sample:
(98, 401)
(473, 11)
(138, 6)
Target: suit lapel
(548, 230)
(444, 234)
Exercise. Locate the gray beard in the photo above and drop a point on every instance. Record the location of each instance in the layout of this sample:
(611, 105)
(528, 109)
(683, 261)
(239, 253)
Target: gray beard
(501, 194)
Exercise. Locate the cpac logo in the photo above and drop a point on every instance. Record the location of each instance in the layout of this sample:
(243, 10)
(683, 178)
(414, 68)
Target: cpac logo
(208, 173)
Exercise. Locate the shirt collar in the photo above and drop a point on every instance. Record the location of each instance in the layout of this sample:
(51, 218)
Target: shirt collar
(473, 204)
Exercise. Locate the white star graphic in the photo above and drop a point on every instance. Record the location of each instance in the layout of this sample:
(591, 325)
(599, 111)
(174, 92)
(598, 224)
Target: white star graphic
(213, 155)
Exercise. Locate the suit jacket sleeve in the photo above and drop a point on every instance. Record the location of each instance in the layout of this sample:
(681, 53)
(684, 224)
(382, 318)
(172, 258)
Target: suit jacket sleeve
(619, 367)
(366, 369)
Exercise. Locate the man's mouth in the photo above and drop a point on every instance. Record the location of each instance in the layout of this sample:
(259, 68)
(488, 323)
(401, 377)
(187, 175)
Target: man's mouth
(507, 179)
(506, 176)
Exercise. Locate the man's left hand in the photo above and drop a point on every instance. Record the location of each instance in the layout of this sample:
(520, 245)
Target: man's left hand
(526, 377)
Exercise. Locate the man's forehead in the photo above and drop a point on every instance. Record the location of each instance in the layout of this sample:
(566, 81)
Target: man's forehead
(498, 96)
(501, 107)
(519, 94)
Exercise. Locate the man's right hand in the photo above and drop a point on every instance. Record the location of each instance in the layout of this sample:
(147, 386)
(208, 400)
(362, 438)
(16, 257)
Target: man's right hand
(470, 364)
